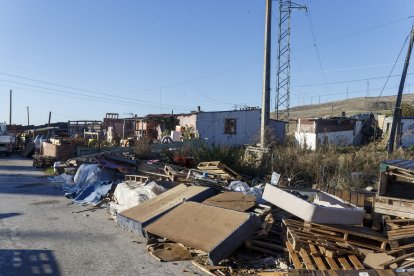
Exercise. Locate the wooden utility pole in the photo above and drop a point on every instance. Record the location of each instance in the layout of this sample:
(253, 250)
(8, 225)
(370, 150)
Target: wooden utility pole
(28, 118)
(50, 116)
(10, 115)
(396, 119)
(266, 75)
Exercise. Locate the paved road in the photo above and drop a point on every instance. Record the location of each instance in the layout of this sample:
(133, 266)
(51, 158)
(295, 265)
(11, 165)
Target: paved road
(41, 233)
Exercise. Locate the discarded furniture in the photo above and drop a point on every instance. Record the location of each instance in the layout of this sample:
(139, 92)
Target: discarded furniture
(396, 188)
(214, 230)
(314, 205)
(364, 199)
(136, 218)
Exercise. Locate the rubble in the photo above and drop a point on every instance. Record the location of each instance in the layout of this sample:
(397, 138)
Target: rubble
(228, 226)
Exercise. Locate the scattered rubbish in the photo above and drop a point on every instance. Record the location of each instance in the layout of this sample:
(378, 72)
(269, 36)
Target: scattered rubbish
(229, 225)
(169, 252)
(243, 187)
(275, 179)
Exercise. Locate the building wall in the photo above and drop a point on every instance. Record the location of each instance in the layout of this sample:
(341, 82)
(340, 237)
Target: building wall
(407, 137)
(211, 127)
(339, 138)
(307, 140)
(311, 133)
(188, 120)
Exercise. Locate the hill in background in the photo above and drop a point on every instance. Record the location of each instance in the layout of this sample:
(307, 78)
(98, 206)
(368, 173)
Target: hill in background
(383, 105)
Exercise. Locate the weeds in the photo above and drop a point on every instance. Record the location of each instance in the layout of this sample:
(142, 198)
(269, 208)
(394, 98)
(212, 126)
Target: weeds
(343, 167)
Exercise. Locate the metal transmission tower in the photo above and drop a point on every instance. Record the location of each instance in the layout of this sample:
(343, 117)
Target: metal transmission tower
(283, 59)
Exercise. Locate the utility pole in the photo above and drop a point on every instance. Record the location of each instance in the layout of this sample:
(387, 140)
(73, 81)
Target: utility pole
(282, 104)
(50, 116)
(347, 92)
(28, 121)
(10, 115)
(396, 119)
(266, 75)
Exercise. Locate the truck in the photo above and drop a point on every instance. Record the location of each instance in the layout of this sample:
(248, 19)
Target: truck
(6, 140)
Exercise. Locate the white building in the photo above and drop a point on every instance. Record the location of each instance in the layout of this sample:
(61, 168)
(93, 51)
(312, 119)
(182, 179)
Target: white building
(406, 132)
(311, 133)
(235, 127)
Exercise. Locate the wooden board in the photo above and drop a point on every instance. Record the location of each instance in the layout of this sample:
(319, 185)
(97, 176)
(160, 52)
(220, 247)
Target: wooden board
(216, 231)
(232, 200)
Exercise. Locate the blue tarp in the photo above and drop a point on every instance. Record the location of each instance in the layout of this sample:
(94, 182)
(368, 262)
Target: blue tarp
(92, 183)
(93, 193)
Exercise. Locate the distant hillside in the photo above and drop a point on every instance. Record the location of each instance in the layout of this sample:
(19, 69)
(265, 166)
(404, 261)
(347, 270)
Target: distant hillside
(349, 106)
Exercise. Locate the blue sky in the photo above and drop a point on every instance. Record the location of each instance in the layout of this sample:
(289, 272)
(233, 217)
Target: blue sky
(81, 59)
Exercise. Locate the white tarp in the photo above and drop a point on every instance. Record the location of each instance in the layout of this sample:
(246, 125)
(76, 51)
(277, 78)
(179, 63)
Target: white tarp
(127, 197)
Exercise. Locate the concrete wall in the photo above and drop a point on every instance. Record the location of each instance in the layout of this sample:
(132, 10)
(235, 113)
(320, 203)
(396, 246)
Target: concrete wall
(307, 140)
(307, 135)
(407, 130)
(210, 126)
(60, 152)
(339, 138)
(407, 137)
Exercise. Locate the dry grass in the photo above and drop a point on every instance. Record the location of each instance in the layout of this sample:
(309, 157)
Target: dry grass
(142, 149)
(343, 167)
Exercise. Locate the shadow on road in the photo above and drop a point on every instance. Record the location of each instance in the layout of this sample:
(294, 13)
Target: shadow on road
(9, 215)
(28, 262)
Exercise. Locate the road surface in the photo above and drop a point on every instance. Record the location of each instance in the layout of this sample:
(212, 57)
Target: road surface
(41, 233)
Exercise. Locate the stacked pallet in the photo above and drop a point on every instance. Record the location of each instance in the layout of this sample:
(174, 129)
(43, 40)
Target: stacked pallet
(334, 247)
(400, 233)
(218, 168)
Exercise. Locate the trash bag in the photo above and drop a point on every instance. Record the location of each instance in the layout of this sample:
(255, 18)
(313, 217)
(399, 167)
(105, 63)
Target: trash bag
(127, 197)
(243, 187)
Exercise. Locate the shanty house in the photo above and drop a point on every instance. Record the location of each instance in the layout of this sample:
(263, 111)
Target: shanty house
(405, 131)
(235, 127)
(311, 133)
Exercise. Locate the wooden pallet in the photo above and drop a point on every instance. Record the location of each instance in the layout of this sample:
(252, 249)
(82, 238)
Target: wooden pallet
(174, 175)
(398, 232)
(300, 232)
(313, 257)
(136, 178)
(218, 168)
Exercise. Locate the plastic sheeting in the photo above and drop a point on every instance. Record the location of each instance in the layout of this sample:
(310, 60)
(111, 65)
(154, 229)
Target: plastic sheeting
(127, 197)
(243, 187)
(93, 193)
(91, 184)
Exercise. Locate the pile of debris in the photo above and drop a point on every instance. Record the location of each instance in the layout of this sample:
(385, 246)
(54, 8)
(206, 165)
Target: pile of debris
(212, 216)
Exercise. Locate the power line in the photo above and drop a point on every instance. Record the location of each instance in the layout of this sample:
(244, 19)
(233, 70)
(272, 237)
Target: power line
(348, 81)
(83, 96)
(316, 46)
(79, 89)
(357, 32)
